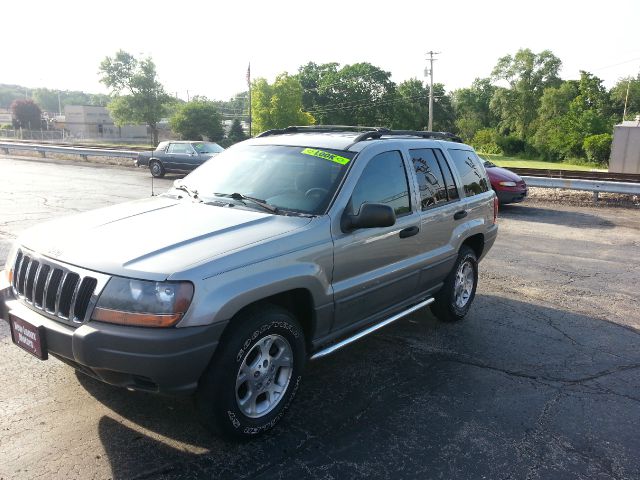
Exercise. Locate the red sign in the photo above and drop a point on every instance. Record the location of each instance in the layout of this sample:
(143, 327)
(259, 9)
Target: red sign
(28, 337)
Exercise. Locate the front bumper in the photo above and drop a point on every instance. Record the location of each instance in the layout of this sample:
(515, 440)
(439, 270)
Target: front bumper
(165, 360)
(511, 196)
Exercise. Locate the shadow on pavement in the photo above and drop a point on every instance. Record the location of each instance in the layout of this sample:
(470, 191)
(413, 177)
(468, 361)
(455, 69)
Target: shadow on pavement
(516, 389)
(554, 217)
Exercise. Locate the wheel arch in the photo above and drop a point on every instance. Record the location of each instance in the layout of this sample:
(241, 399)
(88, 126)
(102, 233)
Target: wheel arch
(298, 301)
(476, 243)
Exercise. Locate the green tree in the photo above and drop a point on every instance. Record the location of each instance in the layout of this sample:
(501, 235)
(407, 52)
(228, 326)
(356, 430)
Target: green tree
(411, 110)
(472, 108)
(315, 79)
(443, 112)
(197, 119)
(236, 132)
(598, 147)
(137, 95)
(26, 114)
(358, 94)
(527, 74)
(571, 113)
(278, 105)
(619, 94)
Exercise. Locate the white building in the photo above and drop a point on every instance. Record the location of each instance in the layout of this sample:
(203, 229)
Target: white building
(625, 149)
(88, 121)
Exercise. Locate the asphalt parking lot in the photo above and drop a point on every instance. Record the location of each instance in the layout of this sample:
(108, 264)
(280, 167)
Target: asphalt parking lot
(540, 381)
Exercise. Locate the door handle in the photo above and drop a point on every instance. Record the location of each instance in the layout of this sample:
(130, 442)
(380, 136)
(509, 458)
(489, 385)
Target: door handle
(460, 214)
(409, 232)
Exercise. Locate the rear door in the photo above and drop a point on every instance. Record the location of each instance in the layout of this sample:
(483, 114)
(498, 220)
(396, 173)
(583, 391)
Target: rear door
(439, 204)
(374, 269)
(477, 204)
(177, 156)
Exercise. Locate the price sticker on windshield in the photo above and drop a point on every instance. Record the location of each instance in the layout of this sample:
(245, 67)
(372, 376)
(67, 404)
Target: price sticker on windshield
(326, 155)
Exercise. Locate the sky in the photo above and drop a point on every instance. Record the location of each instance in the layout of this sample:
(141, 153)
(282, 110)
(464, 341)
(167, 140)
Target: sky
(204, 48)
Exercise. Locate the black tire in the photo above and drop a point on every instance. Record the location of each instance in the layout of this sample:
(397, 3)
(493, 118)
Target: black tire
(156, 169)
(218, 395)
(445, 307)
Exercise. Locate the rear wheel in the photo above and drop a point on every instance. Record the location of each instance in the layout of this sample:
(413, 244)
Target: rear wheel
(454, 299)
(255, 373)
(156, 169)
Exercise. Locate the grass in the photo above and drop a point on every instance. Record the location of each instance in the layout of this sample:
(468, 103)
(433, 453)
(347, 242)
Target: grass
(506, 161)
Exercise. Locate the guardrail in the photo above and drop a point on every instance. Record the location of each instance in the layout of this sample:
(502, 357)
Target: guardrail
(595, 186)
(578, 174)
(83, 152)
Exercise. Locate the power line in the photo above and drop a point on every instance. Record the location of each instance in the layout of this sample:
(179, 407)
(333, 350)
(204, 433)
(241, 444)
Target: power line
(368, 103)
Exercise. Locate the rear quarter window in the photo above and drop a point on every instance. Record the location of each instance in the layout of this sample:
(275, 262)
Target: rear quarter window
(472, 173)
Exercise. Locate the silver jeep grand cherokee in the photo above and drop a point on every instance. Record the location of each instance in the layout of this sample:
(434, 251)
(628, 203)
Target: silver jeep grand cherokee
(281, 249)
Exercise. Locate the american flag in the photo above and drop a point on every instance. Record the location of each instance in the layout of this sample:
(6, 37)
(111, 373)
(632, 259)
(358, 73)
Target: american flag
(249, 74)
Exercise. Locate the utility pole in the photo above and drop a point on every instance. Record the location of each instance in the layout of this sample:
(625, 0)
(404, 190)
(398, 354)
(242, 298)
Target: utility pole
(430, 72)
(249, 85)
(624, 113)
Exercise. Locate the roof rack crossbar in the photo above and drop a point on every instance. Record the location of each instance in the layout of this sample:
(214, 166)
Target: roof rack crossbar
(320, 129)
(407, 133)
(367, 132)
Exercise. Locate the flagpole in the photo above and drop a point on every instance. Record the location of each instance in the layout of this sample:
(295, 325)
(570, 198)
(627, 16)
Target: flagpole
(249, 83)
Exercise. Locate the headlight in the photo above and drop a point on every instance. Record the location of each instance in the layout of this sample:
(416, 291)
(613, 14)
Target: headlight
(507, 184)
(143, 303)
(11, 260)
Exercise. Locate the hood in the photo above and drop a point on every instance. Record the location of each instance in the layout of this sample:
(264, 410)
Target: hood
(499, 174)
(153, 238)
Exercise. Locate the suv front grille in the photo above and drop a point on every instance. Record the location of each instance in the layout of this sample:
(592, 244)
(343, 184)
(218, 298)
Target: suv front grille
(60, 292)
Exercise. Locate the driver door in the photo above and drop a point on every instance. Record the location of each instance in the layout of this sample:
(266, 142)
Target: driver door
(374, 270)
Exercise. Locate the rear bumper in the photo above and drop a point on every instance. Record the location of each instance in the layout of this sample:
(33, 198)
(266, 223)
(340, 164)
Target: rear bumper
(489, 239)
(167, 361)
(505, 196)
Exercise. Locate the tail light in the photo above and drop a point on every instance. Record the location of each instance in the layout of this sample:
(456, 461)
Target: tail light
(495, 210)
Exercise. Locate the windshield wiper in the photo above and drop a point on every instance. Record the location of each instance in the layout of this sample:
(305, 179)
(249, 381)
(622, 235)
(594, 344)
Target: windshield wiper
(242, 198)
(192, 193)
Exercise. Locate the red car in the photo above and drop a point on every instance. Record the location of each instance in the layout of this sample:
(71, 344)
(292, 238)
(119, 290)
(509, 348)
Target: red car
(509, 187)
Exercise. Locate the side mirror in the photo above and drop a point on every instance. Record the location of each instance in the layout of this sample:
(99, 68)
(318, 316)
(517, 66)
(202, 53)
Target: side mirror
(371, 215)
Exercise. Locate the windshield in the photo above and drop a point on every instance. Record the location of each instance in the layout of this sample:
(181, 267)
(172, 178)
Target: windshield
(488, 164)
(206, 147)
(296, 179)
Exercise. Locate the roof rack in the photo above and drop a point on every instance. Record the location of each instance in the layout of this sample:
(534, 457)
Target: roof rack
(321, 129)
(407, 133)
(367, 132)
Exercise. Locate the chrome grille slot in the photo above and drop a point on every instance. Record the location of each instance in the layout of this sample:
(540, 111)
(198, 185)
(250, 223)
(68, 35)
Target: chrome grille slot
(41, 281)
(83, 297)
(24, 265)
(52, 290)
(31, 277)
(64, 293)
(16, 269)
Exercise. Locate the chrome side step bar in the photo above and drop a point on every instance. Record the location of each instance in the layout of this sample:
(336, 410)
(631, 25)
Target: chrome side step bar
(336, 346)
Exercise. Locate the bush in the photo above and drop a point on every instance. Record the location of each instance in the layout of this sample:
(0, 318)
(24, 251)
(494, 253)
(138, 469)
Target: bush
(598, 148)
(511, 145)
(485, 141)
(6, 126)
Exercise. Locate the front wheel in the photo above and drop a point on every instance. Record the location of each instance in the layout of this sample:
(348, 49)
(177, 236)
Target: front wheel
(156, 169)
(454, 299)
(254, 375)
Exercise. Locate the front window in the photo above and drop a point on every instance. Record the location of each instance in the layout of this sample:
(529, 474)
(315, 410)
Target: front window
(293, 179)
(384, 180)
(207, 147)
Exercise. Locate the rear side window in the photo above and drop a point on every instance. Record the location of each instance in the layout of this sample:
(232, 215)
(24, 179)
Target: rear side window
(452, 189)
(384, 180)
(433, 189)
(472, 173)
